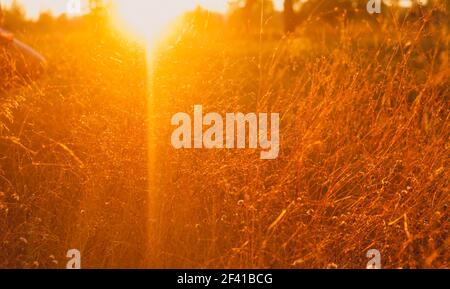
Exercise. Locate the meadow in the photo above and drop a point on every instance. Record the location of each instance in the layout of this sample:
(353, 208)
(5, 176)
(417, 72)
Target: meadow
(86, 160)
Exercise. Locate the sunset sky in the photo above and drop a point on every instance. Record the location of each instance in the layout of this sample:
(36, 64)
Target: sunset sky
(33, 7)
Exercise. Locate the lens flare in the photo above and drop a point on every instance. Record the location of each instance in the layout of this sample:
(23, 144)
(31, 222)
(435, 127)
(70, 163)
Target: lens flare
(148, 19)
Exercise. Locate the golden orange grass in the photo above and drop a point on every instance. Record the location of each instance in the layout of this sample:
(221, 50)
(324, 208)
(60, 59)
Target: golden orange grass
(364, 160)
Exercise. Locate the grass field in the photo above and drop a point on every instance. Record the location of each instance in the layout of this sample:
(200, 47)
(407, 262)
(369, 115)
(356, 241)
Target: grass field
(86, 160)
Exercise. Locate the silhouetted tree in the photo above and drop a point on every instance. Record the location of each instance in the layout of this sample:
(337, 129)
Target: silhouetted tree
(289, 16)
(14, 17)
(251, 12)
(98, 13)
(1, 14)
(297, 12)
(46, 20)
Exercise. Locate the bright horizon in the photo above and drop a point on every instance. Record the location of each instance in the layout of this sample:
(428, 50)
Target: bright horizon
(34, 7)
(142, 18)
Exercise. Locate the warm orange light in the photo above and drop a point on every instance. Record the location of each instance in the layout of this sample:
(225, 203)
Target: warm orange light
(148, 18)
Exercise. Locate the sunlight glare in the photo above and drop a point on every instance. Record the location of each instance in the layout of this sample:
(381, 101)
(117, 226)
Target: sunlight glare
(149, 18)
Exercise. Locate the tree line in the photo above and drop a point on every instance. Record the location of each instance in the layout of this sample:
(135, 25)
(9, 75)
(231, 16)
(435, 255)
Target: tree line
(249, 15)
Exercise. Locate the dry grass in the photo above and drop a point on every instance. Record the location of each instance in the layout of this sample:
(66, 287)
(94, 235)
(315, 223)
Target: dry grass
(364, 157)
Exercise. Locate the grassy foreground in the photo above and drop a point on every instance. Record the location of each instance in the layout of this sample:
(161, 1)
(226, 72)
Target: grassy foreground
(364, 160)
